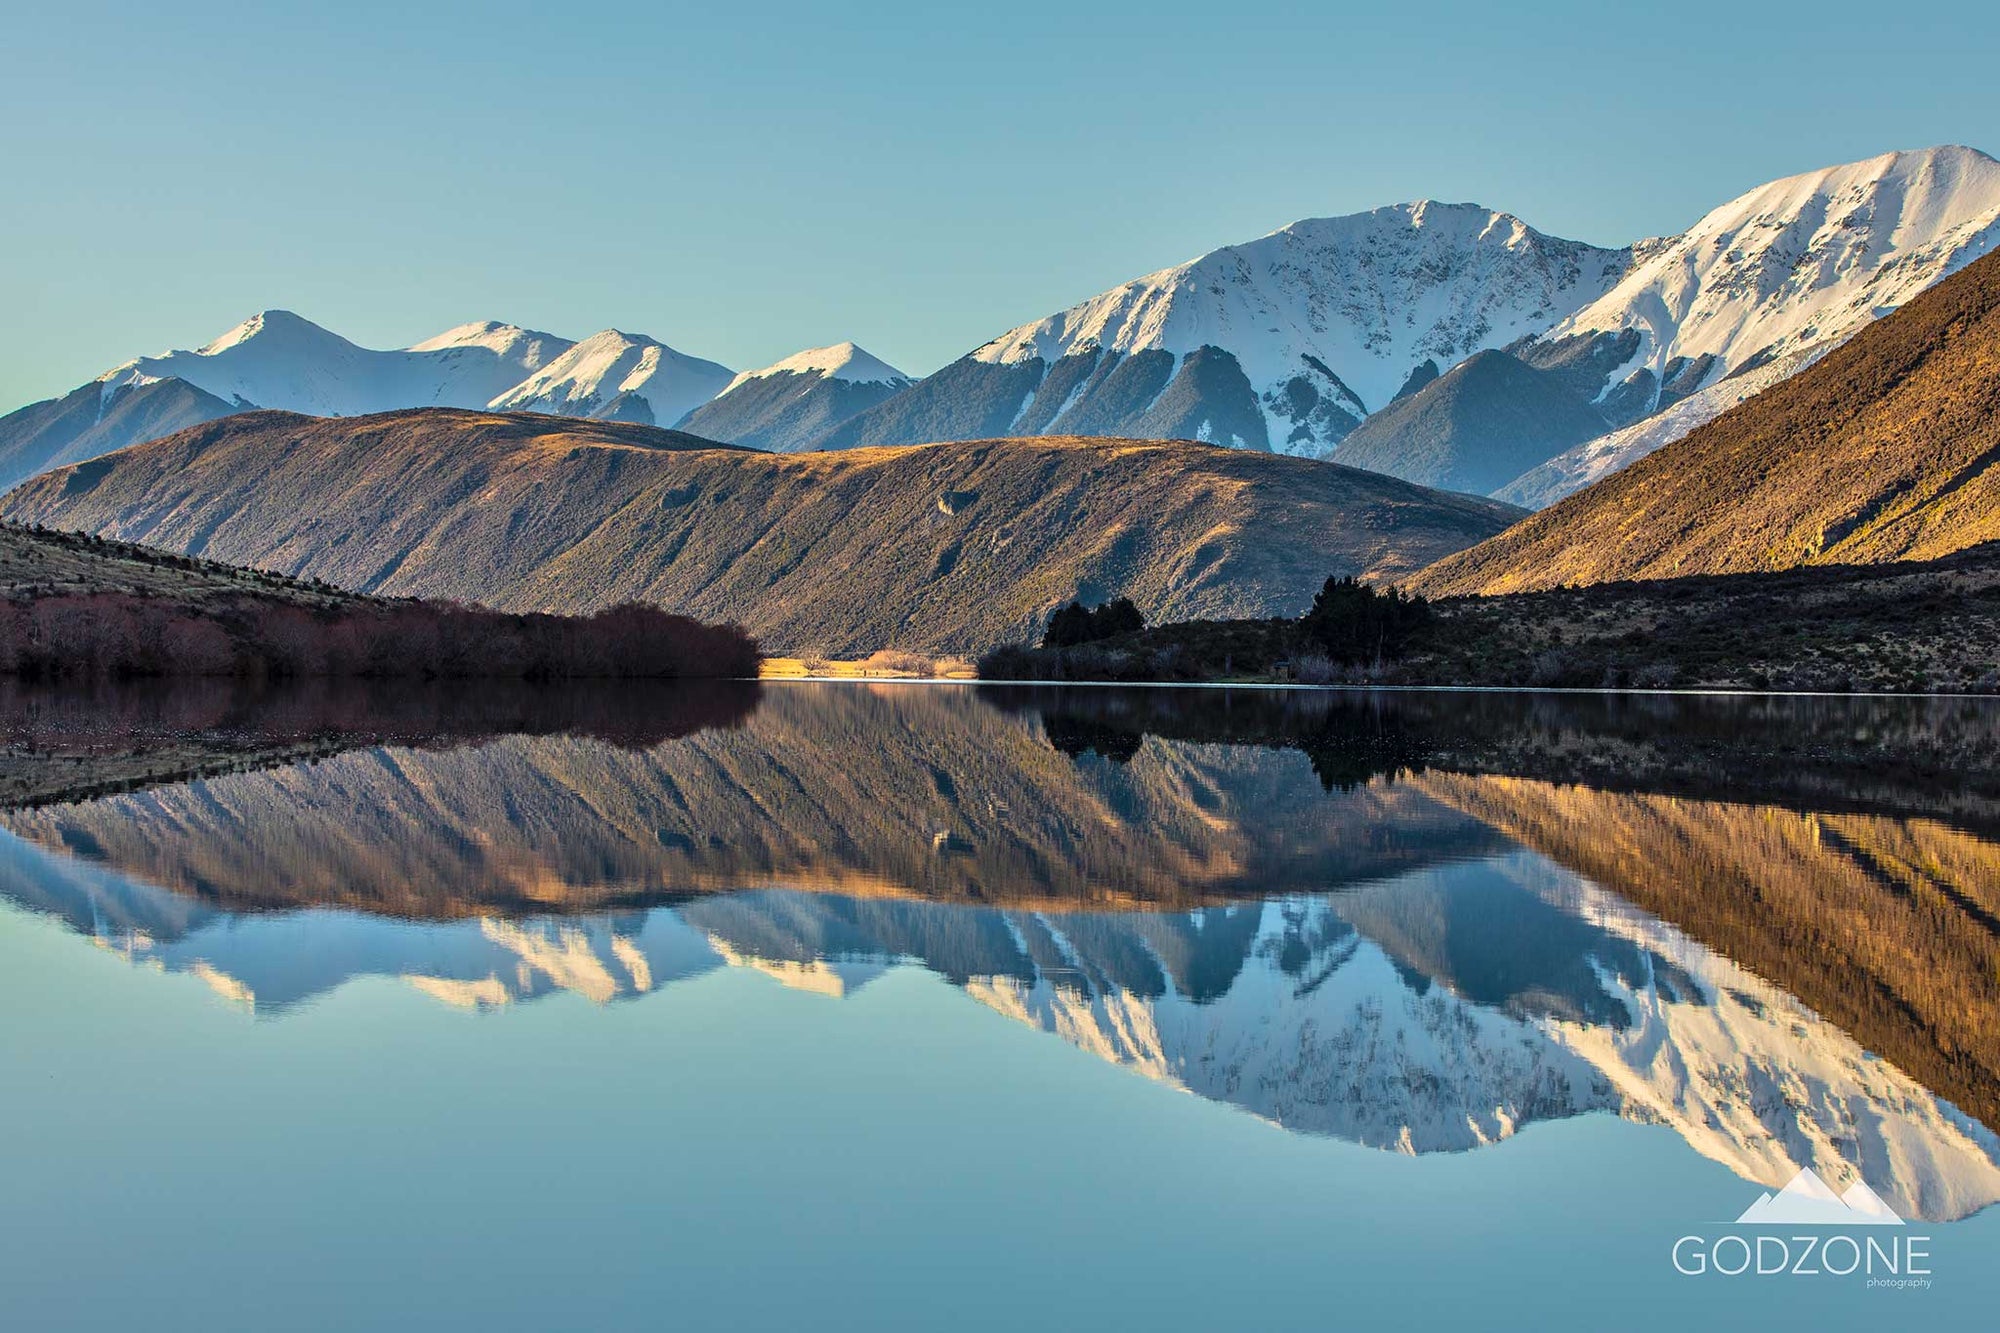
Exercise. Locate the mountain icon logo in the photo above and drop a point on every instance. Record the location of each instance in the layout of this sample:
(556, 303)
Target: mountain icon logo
(1810, 1201)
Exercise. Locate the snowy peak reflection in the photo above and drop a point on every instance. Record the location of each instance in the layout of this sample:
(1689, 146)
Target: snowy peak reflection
(1392, 1014)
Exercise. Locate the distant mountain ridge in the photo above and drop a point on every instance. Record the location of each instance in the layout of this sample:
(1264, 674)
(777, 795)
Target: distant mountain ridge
(280, 361)
(950, 547)
(787, 406)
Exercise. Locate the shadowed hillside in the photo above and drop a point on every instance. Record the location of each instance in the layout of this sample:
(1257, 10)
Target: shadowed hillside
(940, 547)
(1885, 450)
(1483, 423)
(74, 605)
(93, 420)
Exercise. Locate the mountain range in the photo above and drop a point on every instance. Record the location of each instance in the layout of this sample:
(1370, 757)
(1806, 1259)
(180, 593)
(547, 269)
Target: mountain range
(277, 360)
(1509, 361)
(1881, 450)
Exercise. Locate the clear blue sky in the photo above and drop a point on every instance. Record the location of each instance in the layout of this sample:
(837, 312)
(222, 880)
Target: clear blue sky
(744, 181)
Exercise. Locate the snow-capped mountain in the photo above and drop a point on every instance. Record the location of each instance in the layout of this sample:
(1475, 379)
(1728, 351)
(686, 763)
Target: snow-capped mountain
(617, 376)
(1801, 261)
(1283, 343)
(271, 360)
(1289, 341)
(786, 406)
(278, 360)
(1756, 291)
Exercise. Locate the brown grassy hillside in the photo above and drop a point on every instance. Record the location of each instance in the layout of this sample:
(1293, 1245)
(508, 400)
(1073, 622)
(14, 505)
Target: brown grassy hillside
(1886, 450)
(35, 564)
(941, 547)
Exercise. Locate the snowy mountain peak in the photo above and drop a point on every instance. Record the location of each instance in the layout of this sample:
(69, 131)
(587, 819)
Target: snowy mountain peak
(275, 326)
(277, 359)
(619, 376)
(1325, 319)
(846, 362)
(1798, 262)
(495, 336)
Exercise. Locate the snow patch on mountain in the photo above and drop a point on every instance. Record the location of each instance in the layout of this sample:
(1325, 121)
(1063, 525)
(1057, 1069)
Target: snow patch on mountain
(1595, 459)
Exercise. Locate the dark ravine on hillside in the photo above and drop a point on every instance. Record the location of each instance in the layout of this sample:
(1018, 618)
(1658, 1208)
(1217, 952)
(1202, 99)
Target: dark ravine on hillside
(948, 547)
(1887, 449)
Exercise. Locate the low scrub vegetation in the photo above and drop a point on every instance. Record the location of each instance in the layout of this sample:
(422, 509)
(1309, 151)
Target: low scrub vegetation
(1919, 627)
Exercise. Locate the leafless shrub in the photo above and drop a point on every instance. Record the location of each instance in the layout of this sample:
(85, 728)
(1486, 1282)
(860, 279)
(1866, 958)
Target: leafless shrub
(1315, 669)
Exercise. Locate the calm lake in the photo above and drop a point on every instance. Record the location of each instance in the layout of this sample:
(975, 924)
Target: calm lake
(941, 1006)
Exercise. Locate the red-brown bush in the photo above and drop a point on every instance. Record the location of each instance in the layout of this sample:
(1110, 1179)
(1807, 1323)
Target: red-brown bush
(103, 635)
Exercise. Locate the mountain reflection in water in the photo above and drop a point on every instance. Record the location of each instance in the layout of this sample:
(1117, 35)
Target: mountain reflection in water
(1413, 921)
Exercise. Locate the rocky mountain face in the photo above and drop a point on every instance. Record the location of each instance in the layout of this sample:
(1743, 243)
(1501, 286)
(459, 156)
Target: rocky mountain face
(1339, 337)
(1754, 292)
(951, 547)
(613, 376)
(1475, 428)
(94, 420)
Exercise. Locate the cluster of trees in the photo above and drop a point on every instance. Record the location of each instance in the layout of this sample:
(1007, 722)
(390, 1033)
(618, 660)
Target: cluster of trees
(110, 635)
(1352, 630)
(1077, 623)
(1351, 622)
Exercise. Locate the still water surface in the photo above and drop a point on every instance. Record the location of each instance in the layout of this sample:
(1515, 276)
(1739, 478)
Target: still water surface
(914, 1006)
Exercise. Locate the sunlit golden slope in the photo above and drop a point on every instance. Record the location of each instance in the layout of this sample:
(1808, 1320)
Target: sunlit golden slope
(944, 547)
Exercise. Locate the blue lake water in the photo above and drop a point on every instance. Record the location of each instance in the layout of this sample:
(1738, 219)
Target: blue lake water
(851, 1006)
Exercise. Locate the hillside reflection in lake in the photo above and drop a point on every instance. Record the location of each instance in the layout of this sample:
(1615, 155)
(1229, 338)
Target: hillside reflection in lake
(1415, 922)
